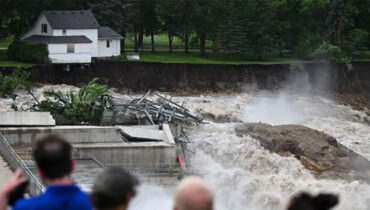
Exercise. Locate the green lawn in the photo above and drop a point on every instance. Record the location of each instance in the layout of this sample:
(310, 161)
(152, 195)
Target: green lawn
(6, 42)
(15, 64)
(213, 58)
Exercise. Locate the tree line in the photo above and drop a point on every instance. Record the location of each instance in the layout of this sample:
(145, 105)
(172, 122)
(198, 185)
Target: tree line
(308, 28)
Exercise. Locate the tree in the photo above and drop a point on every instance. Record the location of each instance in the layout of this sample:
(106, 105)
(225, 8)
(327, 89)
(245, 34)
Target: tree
(117, 14)
(339, 21)
(204, 20)
(16, 17)
(148, 19)
(168, 16)
(185, 14)
(258, 27)
(231, 34)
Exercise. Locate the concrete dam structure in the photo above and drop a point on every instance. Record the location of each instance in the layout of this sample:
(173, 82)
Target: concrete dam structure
(96, 147)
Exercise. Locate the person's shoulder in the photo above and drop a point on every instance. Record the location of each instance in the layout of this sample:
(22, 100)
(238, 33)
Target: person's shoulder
(82, 200)
(29, 203)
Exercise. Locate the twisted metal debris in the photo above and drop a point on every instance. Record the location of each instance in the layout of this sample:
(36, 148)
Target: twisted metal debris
(162, 110)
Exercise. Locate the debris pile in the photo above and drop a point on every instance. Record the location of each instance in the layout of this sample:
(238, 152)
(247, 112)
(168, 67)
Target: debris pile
(152, 108)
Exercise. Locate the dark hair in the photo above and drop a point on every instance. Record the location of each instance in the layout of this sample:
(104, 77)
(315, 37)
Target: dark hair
(53, 156)
(112, 187)
(304, 201)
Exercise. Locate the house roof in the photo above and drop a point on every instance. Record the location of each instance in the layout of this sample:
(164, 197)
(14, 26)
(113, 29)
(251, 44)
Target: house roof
(57, 39)
(105, 32)
(71, 19)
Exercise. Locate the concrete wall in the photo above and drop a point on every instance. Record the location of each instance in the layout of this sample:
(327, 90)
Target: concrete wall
(36, 29)
(26, 119)
(74, 134)
(131, 155)
(102, 143)
(113, 50)
(58, 53)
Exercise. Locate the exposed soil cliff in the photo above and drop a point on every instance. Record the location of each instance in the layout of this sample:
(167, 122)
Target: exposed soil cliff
(350, 87)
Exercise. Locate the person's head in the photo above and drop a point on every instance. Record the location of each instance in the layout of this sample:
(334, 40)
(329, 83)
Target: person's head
(193, 194)
(304, 201)
(53, 156)
(113, 189)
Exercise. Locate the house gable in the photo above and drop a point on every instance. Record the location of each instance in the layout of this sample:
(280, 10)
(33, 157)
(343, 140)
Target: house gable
(37, 28)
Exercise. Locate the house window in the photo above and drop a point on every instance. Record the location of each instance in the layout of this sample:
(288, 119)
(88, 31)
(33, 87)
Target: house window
(44, 28)
(64, 32)
(70, 48)
(108, 44)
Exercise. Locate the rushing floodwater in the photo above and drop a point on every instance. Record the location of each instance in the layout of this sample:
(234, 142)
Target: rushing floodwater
(243, 175)
(246, 176)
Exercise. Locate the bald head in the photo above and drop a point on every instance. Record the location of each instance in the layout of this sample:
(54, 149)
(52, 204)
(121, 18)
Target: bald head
(193, 194)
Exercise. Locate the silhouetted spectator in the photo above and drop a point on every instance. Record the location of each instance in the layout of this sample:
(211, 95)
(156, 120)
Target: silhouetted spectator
(304, 201)
(193, 194)
(53, 156)
(113, 189)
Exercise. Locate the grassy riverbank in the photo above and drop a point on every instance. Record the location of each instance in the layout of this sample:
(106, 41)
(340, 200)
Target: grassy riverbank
(213, 58)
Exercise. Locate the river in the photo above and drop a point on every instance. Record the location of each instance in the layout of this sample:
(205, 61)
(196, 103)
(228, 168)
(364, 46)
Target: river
(244, 175)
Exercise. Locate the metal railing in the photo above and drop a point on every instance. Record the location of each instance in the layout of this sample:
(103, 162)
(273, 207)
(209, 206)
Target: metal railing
(14, 161)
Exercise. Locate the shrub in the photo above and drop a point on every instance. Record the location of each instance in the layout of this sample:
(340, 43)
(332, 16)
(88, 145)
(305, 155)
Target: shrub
(34, 53)
(307, 44)
(17, 80)
(329, 52)
(360, 38)
(72, 107)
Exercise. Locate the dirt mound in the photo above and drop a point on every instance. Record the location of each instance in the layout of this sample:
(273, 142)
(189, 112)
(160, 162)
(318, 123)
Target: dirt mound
(317, 151)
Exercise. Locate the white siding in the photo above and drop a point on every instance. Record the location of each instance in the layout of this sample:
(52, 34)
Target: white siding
(36, 30)
(58, 32)
(113, 50)
(58, 53)
(92, 34)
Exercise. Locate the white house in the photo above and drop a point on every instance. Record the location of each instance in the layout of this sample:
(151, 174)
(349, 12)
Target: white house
(73, 36)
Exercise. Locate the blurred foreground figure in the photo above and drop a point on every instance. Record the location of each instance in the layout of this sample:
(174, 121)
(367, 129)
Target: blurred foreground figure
(113, 189)
(53, 157)
(305, 201)
(193, 194)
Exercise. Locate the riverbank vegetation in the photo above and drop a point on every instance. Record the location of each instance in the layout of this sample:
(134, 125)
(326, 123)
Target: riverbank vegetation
(329, 30)
(74, 107)
(18, 80)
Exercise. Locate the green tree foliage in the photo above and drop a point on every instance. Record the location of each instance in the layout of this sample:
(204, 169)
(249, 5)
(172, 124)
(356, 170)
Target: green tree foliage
(329, 53)
(254, 26)
(231, 33)
(339, 21)
(34, 53)
(170, 18)
(360, 38)
(18, 80)
(120, 15)
(18, 16)
(71, 108)
(260, 38)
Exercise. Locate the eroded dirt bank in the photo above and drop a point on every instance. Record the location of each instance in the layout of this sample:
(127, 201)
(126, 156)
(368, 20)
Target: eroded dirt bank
(348, 86)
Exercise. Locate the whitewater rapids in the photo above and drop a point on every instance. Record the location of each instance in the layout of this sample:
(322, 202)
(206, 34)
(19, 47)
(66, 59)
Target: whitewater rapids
(245, 176)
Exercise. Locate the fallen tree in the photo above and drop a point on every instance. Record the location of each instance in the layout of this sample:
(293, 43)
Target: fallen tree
(72, 107)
